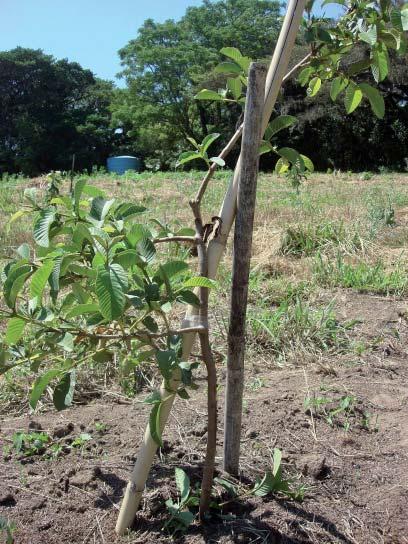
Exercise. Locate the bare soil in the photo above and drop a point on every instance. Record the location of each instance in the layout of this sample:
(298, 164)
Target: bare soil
(356, 469)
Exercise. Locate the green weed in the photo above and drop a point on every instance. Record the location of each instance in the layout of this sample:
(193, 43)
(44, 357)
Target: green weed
(362, 277)
(294, 326)
(301, 241)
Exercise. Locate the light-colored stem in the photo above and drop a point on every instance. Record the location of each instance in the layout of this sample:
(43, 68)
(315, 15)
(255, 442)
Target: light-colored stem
(216, 248)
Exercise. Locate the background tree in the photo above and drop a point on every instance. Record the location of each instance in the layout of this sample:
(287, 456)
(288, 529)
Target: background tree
(50, 109)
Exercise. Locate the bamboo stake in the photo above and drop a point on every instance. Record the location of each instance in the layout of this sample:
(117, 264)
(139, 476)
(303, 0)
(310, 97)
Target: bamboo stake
(148, 448)
(244, 221)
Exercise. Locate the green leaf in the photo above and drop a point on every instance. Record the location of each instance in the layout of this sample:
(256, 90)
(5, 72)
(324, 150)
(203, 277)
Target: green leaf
(40, 385)
(200, 281)
(128, 258)
(100, 208)
(24, 251)
(282, 166)
(111, 285)
(183, 484)
(78, 190)
(228, 68)
(16, 278)
(137, 233)
(153, 398)
(352, 97)
(265, 486)
(127, 210)
(146, 249)
(337, 86)
(188, 156)
(308, 163)
(208, 140)
(359, 66)
(174, 268)
(292, 156)
(379, 63)
(375, 98)
(218, 160)
(304, 75)
(404, 18)
(396, 19)
(188, 297)
(314, 86)
(278, 124)
(265, 147)
(370, 36)
(205, 94)
(234, 85)
(82, 309)
(14, 331)
(236, 55)
(64, 392)
(166, 359)
(42, 226)
(39, 279)
(154, 424)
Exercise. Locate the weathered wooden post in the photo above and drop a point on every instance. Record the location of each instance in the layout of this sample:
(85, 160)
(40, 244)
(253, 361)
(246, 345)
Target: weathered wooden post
(251, 138)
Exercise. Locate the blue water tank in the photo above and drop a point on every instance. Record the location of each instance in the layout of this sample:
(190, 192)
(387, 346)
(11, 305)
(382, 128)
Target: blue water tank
(121, 164)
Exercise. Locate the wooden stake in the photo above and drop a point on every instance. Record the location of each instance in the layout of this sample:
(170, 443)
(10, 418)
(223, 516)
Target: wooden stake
(244, 221)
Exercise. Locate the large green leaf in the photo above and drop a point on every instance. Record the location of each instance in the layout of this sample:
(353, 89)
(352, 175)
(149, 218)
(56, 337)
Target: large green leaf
(182, 483)
(206, 94)
(137, 232)
(337, 86)
(379, 63)
(40, 385)
(314, 86)
(352, 97)
(200, 281)
(292, 156)
(16, 277)
(146, 249)
(228, 68)
(78, 190)
(126, 210)
(64, 392)
(236, 55)
(154, 423)
(234, 84)
(14, 331)
(375, 98)
(370, 35)
(100, 208)
(111, 286)
(39, 279)
(42, 226)
(278, 124)
(188, 156)
(82, 309)
(208, 140)
(173, 268)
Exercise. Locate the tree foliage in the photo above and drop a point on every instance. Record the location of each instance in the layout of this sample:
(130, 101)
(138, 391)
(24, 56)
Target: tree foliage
(49, 110)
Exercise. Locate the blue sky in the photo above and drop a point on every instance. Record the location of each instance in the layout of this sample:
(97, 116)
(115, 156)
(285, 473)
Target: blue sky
(87, 31)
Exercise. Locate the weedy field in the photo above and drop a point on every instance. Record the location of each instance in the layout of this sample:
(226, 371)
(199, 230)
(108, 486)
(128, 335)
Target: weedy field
(326, 393)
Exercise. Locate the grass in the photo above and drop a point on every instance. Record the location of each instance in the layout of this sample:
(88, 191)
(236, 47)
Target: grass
(362, 276)
(341, 231)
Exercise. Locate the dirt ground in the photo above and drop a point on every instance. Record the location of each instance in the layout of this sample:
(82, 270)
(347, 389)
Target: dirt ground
(355, 469)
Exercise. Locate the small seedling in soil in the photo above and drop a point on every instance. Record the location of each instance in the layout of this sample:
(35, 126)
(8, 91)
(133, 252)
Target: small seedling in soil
(7, 528)
(81, 441)
(180, 515)
(273, 482)
(337, 411)
(100, 427)
(28, 444)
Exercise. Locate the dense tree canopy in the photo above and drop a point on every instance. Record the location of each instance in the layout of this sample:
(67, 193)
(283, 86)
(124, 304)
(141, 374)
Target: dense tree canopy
(49, 110)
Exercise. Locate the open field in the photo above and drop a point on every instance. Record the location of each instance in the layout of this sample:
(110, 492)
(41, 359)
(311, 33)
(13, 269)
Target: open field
(327, 380)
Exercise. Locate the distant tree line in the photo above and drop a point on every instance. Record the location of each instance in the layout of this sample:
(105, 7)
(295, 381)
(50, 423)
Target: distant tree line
(51, 109)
